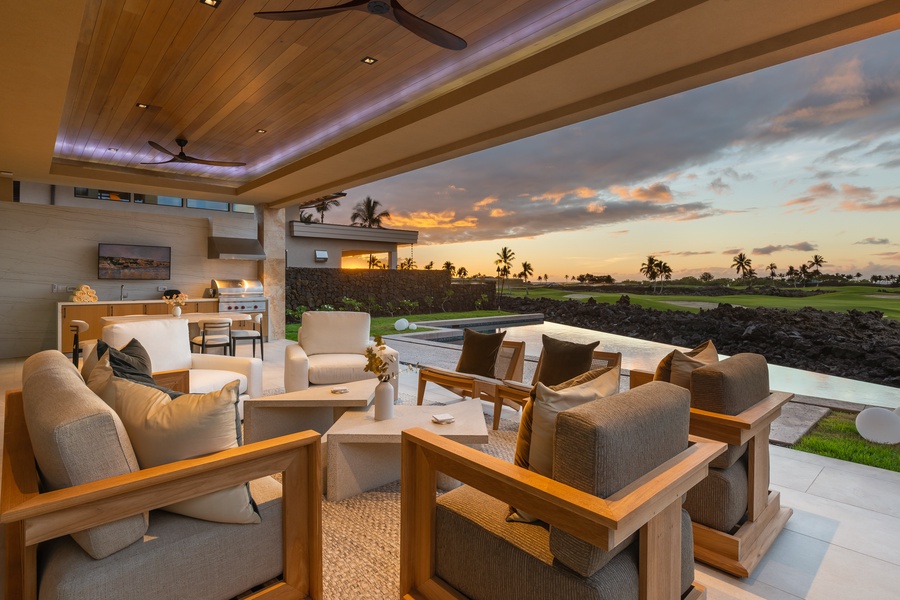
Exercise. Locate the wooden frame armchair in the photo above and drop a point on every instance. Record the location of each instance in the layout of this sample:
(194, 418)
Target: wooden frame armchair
(739, 552)
(31, 517)
(509, 366)
(514, 393)
(649, 506)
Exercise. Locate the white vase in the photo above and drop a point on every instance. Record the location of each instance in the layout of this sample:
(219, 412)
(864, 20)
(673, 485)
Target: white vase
(384, 401)
(176, 312)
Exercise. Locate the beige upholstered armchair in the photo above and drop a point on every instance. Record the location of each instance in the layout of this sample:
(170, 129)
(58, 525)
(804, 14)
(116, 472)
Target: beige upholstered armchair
(620, 468)
(332, 350)
(91, 513)
(736, 518)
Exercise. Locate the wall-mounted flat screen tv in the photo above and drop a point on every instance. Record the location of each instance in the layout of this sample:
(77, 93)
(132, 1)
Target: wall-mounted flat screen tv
(124, 261)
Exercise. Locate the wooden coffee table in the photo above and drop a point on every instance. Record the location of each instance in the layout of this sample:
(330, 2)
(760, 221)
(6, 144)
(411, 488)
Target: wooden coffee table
(363, 454)
(313, 408)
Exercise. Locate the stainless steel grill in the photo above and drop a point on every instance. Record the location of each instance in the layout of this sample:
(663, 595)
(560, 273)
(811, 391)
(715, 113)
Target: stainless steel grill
(240, 295)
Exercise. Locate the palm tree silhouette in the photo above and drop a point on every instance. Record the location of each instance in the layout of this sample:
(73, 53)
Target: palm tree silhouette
(664, 271)
(306, 217)
(527, 271)
(325, 206)
(462, 272)
(407, 264)
(742, 265)
(504, 265)
(366, 214)
(815, 262)
(772, 269)
(448, 266)
(649, 269)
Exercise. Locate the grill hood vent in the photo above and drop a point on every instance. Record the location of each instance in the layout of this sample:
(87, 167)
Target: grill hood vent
(236, 248)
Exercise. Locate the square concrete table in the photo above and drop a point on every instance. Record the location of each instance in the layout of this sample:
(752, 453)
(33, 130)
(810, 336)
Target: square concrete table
(363, 454)
(313, 408)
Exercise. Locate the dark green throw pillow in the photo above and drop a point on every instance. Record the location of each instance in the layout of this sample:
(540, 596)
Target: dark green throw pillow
(562, 360)
(480, 352)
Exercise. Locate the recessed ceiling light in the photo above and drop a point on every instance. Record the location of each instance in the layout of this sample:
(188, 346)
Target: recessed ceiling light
(111, 149)
(369, 60)
(142, 105)
(213, 3)
(260, 131)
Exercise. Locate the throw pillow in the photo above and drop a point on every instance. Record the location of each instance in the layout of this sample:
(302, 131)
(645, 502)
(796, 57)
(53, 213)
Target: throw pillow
(598, 383)
(562, 360)
(131, 361)
(664, 368)
(163, 430)
(480, 352)
(683, 365)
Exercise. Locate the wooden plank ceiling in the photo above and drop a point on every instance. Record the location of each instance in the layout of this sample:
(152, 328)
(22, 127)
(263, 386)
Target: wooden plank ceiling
(216, 76)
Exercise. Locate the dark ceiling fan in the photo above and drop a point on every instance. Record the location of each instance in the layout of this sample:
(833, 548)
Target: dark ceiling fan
(182, 157)
(390, 10)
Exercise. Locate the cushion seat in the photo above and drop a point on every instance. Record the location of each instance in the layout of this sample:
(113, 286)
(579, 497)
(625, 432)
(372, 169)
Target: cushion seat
(327, 369)
(204, 381)
(177, 547)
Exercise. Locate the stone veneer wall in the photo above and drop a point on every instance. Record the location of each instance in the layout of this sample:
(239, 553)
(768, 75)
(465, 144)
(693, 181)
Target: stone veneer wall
(314, 287)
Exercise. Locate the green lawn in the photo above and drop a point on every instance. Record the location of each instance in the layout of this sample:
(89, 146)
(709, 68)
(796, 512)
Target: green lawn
(842, 299)
(385, 325)
(836, 436)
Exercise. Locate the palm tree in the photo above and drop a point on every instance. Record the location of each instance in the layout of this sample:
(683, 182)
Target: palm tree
(791, 274)
(815, 262)
(527, 271)
(407, 264)
(741, 264)
(803, 273)
(429, 266)
(366, 214)
(772, 269)
(462, 272)
(374, 262)
(546, 277)
(325, 206)
(706, 277)
(306, 217)
(504, 264)
(649, 269)
(448, 266)
(665, 271)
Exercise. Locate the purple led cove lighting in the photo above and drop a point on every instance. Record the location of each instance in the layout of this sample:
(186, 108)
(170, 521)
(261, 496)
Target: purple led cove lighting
(553, 17)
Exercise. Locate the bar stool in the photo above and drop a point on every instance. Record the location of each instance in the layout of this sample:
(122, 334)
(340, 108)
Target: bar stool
(243, 335)
(214, 333)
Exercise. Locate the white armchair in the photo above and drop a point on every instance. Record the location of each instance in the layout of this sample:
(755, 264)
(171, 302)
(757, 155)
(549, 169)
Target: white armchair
(167, 341)
(331, 350)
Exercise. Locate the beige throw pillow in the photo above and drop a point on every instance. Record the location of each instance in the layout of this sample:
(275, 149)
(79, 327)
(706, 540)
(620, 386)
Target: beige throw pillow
(683, 365)
(549, 403)
(163, 430)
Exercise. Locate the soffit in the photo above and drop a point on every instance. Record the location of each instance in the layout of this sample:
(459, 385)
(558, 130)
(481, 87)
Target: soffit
(215, 76)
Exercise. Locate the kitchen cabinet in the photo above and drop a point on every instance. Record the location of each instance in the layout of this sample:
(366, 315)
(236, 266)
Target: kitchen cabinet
(92, 313)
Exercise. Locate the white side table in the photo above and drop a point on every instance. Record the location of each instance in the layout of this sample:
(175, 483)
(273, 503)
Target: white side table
(364, 454)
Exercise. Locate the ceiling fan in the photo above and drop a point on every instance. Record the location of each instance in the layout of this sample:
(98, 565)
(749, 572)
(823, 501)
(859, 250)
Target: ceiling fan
(182, 157)
(390, 10)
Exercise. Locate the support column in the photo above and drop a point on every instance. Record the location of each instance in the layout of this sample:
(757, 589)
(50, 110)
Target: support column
(270, 225)
(392, 259)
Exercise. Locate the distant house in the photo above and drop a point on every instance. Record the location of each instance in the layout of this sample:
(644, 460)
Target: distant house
(324, 244)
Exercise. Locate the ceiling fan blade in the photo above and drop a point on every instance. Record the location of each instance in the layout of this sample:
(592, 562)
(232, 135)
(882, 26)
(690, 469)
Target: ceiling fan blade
(311, 13)
(161, 162)
(213, 163)
(156, 146)
(425, 30)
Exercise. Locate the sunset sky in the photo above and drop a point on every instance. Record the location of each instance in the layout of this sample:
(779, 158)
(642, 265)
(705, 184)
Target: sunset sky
(798, 159)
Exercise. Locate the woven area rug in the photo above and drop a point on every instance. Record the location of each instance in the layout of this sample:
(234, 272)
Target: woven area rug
(361, 535)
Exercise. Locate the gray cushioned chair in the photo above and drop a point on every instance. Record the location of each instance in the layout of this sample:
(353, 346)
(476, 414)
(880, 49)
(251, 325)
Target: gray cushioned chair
(614, 527)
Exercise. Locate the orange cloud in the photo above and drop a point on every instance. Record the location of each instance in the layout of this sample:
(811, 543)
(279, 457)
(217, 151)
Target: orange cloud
(499, 212)
(431, 220)
(655, 192)
(483, 203)
(889, 203)
(555, 197)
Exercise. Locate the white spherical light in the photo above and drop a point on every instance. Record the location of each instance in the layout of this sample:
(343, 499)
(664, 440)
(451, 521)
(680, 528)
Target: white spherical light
(413, 326)
(879, 425)
(401, 324)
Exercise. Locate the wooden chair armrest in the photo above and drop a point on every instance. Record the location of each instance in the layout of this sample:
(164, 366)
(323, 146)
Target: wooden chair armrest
(61, 512)
(637, 377)
(602, 522)
(454, 378)
(179, 380)
(737, 429)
